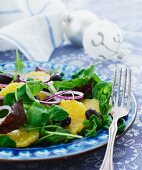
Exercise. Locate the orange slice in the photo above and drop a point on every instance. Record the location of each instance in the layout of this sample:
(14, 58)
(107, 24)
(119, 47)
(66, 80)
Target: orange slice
(38, 75)
(91, 104)
(23, 137)
(76, 111)
(10, 88)
(42, 95)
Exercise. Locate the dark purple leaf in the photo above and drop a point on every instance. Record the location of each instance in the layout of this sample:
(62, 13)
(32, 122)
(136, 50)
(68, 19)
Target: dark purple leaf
(40, 69)
(14, 120)
(17, 79)
(86, 89)
(5, 78)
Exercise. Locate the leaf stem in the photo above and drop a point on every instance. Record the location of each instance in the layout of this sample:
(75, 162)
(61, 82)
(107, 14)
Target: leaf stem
(56, 133)
(63, 134)
(48, 126)
(42, 138)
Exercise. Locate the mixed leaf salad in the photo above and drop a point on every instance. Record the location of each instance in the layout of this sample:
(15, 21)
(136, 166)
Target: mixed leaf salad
(41, 107)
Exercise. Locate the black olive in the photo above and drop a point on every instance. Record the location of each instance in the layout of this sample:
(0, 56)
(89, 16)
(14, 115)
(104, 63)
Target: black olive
(5, 78)
(55, 76)
(66, 122)
(91, 112)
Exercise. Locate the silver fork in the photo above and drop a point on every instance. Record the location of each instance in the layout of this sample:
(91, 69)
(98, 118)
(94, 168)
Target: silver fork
(118, 111)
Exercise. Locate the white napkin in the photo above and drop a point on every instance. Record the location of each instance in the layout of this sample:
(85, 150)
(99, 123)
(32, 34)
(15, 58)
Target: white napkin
(32, 26)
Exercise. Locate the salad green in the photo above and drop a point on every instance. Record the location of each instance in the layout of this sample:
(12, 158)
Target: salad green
(36, 106)
(19, 64)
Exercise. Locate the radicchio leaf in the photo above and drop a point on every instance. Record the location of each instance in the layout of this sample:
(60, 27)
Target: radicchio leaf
(86, 89)
(5, 78)
(17, 79)
(13, 120)
(40, 69)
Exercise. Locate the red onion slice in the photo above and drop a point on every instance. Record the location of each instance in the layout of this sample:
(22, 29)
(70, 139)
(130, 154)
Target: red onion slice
(46, 93)
(57, 101)
(6, 107)
(3, 85)
(76, 95)
(52, 88)
(48, 101)
(53, 96)
(1, 98)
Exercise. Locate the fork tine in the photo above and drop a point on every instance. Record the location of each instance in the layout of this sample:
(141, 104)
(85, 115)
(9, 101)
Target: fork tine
(118, 89)
(113, 86)
(124, 89)
(129, 89)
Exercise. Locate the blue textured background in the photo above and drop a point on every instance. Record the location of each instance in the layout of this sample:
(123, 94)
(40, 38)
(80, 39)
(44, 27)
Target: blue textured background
(128, 150)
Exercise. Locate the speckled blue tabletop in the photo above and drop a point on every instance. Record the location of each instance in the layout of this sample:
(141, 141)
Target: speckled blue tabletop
(128, 149)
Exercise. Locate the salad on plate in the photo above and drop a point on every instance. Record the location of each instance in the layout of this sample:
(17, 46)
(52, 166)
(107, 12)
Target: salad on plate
(42, 107)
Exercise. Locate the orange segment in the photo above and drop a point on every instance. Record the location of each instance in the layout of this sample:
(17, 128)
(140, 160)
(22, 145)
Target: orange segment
(23, 137)
(76, 111)
(38, 75)
(42, 95)
(91, 104)
(10, 88)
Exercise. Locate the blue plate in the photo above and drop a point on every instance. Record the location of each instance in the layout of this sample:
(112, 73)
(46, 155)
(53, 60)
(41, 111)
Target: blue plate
(62, 150)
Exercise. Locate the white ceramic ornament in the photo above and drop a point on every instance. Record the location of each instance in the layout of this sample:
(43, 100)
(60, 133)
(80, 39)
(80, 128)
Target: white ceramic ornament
(75, 24)
(102, 39)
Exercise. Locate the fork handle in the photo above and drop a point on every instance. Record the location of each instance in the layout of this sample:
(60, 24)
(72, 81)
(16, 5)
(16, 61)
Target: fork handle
(108, 159)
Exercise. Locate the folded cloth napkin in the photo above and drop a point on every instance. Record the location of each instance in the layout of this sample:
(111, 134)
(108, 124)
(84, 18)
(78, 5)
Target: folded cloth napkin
(32, 26)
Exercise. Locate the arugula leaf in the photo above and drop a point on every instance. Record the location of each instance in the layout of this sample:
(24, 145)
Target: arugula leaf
(95, 78)
(29, 90)
(92, 125)
(9, 99)
(121, 125)
(107, 120)
(84, 72)
(102, 88)
(29, 93)
(89, 72)
(70, 84)
(79, 79)
(102, 92)
(19, 64)
(20, 92)
(91, 128)
(56, 113)
(56, 136)
(7, 142)
(34, 87)
(37, 115)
